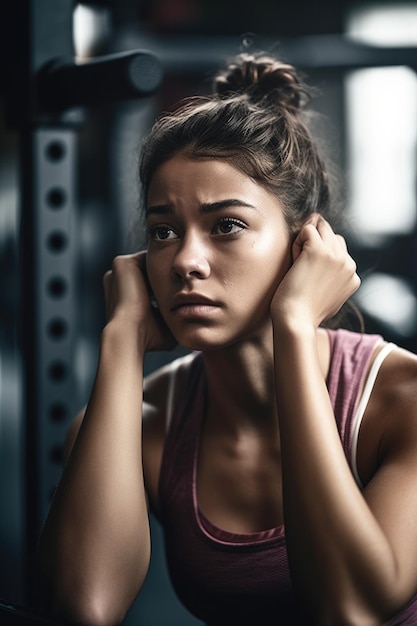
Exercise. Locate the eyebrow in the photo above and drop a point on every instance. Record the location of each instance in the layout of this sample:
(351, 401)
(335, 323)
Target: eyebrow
(206, 207)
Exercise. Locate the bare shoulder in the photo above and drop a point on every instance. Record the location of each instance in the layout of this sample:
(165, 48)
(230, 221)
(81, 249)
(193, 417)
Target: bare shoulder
(395, 399)
(162, 391)
(389, 426)
(391, 491)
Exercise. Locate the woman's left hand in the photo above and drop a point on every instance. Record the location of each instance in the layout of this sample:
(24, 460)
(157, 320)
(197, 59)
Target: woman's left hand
(322, 277)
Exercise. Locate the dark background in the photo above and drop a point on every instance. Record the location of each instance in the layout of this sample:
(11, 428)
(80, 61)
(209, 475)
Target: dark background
(191, 37)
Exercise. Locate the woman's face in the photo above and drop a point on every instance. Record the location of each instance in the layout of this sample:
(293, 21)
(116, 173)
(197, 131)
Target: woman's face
(218, 248)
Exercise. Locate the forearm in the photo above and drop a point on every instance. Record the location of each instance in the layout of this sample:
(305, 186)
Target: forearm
(95, 544)
(340, 559)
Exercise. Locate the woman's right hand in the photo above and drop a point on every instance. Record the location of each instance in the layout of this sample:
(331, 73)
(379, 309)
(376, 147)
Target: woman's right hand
(128, 298)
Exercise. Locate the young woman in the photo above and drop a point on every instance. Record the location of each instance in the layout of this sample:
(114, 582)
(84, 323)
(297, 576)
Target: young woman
(280, 457)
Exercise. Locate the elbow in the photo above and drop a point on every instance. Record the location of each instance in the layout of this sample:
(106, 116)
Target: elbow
(84, 603)
(89, 612)
(347, 604)
(353, 614)
(93, 594)
(347, 618)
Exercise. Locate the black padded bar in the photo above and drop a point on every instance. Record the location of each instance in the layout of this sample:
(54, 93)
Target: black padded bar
(64, 83)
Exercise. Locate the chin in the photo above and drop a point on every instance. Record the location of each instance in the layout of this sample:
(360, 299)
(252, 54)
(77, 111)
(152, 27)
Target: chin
(206, 338)
(196, 345)
(206, 342)
(199, 339)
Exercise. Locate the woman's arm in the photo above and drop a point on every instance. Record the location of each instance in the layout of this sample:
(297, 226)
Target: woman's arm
(95, 545)
(352, 555)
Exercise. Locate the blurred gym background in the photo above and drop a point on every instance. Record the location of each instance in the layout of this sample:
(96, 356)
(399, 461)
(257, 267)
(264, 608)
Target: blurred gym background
(69, 197)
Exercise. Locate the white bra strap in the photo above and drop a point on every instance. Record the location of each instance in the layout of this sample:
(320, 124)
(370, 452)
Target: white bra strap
(363, 402)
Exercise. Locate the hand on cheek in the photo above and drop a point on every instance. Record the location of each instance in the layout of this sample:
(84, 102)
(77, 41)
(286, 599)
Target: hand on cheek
(322, 277)
(129, 301)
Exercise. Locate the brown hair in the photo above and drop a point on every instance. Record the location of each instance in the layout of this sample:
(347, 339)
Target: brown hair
(256, 121)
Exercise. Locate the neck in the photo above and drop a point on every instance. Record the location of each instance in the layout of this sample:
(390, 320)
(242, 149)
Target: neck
(240, 381)
(241, 384)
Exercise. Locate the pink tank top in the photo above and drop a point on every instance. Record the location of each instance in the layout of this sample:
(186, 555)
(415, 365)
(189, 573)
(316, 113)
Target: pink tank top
(227, 579)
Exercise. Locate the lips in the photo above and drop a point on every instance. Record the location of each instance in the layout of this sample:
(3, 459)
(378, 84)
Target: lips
(191, 299)
(192, 305)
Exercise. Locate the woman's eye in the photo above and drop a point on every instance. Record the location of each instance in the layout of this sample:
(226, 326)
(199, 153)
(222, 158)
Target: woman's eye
(161, 233)
(229, 227)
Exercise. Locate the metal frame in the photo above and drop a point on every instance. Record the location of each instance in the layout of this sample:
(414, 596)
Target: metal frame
(46, 89)
(48, 165)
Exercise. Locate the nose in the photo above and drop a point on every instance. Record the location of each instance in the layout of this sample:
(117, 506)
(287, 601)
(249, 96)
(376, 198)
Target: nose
(191, 259)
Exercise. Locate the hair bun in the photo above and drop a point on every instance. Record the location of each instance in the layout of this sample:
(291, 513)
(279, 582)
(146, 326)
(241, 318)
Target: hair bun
(262, 79)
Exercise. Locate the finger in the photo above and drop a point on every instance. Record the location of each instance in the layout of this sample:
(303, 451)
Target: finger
(324, 228)
(313, 218)
(107, 280)
(342, 242)
(328, 235)
(307, 233)
(141, 258)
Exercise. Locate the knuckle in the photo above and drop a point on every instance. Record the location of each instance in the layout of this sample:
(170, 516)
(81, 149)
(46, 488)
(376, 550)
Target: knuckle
(107, 276)
(118, 260)
(351, 265)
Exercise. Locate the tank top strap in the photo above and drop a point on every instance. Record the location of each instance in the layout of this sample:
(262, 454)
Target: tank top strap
(363, 403)
(185, 412)
(350, 356)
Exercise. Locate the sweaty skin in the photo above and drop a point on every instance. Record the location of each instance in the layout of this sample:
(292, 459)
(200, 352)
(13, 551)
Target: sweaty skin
(222, 237)
(230, 281)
